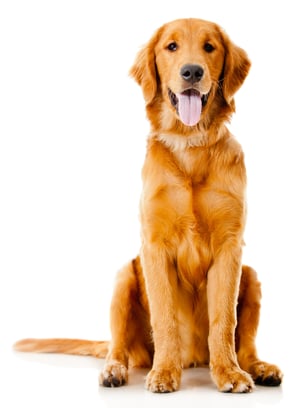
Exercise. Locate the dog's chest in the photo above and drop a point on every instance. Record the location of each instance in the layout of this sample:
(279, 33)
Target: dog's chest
(193, 246)
(197, 185)
(202, 207)
(192, 201)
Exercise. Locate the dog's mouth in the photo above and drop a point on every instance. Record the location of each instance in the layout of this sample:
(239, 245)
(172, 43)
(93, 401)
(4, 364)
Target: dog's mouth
(189, 105)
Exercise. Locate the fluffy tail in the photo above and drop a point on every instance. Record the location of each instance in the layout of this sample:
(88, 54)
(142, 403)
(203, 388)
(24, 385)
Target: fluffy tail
(97, 349)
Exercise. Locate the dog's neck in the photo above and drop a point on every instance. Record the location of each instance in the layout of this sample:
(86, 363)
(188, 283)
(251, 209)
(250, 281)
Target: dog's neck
(191, 154)
(178, 142)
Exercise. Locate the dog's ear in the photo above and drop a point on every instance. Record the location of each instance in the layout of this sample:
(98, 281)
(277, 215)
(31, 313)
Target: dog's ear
(144, 69)
(235, 69)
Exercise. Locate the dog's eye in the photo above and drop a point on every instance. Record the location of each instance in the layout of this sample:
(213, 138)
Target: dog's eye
(208, 47)
(172, 46)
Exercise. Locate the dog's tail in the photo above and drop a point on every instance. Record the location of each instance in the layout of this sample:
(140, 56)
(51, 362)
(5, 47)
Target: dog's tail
(97, 349)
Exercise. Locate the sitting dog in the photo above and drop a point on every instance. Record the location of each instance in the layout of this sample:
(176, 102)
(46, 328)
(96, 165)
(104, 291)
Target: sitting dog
(186, 300)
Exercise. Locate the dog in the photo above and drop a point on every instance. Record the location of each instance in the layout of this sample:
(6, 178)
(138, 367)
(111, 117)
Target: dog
(186, 300)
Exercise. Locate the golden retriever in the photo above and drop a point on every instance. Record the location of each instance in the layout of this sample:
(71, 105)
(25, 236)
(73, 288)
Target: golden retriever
(186, 300)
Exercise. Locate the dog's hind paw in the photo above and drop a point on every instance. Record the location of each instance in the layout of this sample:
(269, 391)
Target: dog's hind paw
(113, 375)
(266, 374)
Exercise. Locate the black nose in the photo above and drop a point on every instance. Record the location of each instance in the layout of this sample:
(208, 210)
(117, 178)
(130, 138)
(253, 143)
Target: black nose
(191, 73)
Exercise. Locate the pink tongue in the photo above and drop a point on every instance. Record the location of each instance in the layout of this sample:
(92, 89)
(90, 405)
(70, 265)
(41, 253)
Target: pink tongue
(189, 107)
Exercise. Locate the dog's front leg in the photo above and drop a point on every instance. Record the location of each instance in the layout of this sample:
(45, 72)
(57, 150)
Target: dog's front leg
(222, 293)
(161, 285)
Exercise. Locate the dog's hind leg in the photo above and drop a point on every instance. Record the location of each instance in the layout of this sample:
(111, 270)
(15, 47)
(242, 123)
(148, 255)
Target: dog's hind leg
(248, 318)
(130, 327)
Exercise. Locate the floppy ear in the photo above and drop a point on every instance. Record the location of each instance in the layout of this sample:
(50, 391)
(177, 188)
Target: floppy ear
(235, 69)
(144, 69)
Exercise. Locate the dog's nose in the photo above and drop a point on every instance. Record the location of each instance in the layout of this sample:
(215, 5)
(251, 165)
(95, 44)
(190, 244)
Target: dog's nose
(192, 73)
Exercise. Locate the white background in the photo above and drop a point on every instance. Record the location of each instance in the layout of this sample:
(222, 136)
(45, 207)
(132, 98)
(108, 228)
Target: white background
(72, 143)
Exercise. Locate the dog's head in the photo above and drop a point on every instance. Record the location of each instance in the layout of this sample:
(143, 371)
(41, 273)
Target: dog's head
(189, 72)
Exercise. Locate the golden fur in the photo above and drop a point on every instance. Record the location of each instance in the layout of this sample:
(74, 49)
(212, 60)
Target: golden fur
(186, 300)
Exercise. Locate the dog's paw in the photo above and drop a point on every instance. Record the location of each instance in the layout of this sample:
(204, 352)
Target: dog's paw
(163, 380)
(232, 380)
(113, 375)
(266, 374)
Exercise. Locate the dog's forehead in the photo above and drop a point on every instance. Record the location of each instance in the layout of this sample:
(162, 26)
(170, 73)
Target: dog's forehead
(187, 29)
